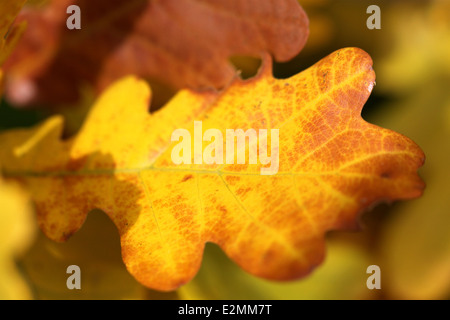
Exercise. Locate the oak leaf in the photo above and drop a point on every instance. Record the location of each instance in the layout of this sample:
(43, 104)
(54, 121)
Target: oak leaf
(182, 43)
(332, 166)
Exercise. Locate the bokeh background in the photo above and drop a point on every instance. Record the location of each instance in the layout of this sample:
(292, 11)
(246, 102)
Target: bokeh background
(409, 241)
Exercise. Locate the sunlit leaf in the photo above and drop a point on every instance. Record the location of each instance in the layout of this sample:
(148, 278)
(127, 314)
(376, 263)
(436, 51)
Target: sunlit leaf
(332, 166)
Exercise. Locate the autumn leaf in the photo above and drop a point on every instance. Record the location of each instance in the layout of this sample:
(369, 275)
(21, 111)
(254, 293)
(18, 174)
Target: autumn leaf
(332, 166)
(182, 43)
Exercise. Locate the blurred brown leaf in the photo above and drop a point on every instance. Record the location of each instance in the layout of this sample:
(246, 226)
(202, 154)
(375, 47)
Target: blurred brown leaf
(183, 43)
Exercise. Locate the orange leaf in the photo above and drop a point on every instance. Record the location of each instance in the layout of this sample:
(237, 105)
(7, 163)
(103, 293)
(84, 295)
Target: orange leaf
(182, 43)
(332, 166)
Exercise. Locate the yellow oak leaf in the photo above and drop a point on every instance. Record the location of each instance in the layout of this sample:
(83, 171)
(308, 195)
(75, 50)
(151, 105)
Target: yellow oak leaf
(332, 166)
